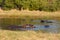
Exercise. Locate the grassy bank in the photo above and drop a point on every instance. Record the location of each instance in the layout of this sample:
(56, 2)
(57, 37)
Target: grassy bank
(29, 14)
(27, 35)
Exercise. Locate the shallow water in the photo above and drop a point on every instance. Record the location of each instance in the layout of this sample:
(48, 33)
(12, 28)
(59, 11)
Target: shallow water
(52, 27)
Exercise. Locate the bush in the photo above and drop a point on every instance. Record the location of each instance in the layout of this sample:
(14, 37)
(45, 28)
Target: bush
(8, 4)
(0, 2)
(42, 5)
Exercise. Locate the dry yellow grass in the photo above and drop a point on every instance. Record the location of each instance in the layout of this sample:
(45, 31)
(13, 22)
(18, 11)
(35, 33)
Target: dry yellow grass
(27, 35)
(18, 13)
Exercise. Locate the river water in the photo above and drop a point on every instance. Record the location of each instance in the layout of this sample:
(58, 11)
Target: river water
(46, 26)
(53, 26)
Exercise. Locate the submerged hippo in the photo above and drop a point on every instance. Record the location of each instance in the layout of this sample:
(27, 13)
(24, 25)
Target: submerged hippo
(32, 26)
(42, 21)
(28, 26)
(46, 21)
(46, 26)
(14, 27)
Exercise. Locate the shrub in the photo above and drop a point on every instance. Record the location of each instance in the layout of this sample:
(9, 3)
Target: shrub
(42, 5)
(8, 4)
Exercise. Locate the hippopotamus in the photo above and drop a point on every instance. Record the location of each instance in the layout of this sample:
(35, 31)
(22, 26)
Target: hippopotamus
(46, 26)
(46, 21)
(42, 21)
(14, 27)
(28, 26)
(32, 26)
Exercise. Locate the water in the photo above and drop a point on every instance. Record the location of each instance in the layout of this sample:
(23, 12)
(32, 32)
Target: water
(51, 27)
(47, 26)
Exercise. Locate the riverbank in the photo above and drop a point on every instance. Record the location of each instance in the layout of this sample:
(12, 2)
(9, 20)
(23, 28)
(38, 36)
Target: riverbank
(28, 35)
(31, 14)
